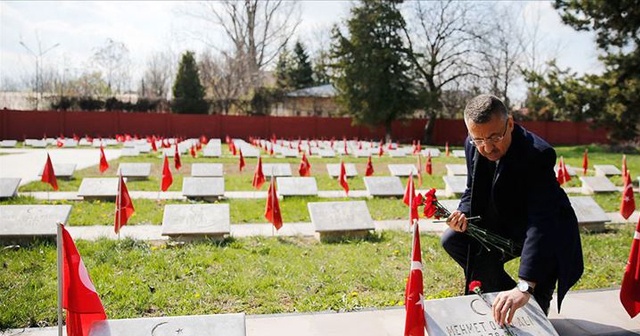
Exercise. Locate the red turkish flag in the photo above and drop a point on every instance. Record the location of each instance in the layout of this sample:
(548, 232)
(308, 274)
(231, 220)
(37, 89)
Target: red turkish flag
(154, 147)
(369, 170)
(232, 148)
(381, 149)
(48, 175)
(305, 166)
(624, 166)
(272, 208)
(204, 140)
(409, 192)
(193, 151)
(104, 164)
(258, 176)
(418, 148)
(79, 296)
(585, 161)
(429, 166)
(415, 323)
(343, 178)
(628, 203)
(446, 148)
(241, 164)
(167, 177)
(630, 288)
(124, 206)
(563, 174)
(176, 158)
(60, 142)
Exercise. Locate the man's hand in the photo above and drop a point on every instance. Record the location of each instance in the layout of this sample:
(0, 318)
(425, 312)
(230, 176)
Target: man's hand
(457, 221)
(506, 304)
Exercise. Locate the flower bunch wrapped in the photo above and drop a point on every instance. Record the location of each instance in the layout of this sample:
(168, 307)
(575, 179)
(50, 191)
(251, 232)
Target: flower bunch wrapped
(486, 238)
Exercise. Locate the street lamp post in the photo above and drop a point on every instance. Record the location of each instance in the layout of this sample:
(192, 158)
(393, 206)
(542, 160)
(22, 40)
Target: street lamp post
(38, 59)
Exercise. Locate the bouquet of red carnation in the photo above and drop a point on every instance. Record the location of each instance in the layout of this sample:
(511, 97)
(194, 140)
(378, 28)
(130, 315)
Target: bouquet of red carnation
(488, 239)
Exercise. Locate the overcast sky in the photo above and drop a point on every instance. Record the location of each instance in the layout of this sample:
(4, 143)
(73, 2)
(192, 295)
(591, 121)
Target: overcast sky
(78, 28)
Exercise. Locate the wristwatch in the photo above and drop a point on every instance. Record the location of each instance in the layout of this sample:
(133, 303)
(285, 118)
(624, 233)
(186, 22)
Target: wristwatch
(523, 286)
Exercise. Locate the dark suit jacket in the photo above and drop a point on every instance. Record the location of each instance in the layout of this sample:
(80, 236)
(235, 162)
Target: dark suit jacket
(530, 207)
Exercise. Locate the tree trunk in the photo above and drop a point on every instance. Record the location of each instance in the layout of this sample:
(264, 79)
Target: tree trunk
(427, 137)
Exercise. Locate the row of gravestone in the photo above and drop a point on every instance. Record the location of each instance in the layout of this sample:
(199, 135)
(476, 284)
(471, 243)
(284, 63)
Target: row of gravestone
(188, 221)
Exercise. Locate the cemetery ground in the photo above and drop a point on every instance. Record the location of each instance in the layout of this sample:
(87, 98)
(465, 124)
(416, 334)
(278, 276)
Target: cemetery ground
(263, 275)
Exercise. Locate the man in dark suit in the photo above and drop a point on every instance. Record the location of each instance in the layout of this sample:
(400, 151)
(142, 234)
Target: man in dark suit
(511, 184)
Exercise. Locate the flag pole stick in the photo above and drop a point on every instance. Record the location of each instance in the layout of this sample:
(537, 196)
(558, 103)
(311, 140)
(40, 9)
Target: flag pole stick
(60, 275)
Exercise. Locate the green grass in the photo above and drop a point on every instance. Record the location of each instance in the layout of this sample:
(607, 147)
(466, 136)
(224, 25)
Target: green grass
(258, 275)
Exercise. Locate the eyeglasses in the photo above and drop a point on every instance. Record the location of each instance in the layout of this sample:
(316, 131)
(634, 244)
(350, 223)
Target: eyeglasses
(492, 139)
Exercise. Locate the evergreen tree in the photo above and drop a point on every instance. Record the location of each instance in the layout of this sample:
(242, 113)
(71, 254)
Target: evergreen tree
(283, 80)
(188, 92)
(372, 66)
(301, 73)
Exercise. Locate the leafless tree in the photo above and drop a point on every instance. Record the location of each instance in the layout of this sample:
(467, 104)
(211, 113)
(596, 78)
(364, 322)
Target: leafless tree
(158, 74)
(221, 77)
(441, 35)
(502, 50)
(257, 30)
(113, 59)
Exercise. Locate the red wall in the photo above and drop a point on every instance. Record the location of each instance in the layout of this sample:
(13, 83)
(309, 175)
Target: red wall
(19, 125)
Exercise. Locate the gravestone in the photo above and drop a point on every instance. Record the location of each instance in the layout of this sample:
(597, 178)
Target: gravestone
(207, 170)
(454, 185)
(203, 188)
(62, 170)
(327, 153)
(212, 150)
(396, 153)
(471, 315)
(361, 153)
(9, 187)
(403, 170)
(39, 144)
(188, 222)
(450, 204)
(338, 220)
(607, 170)
(25, 222)
(129, 151)
(219, 324)
(590, 215)
(84, 142)
(169, 152)
(334, 169)
(249, 151)
(596, 184)
(8, 143)
(135, 171)
(70, 143)
(129, 144)
(103, 189)
(297, 186)
(276, 169)
(459, 153)
(143, 148)
(434, 152)
(384, 186)
(456, 169)
(288, 152)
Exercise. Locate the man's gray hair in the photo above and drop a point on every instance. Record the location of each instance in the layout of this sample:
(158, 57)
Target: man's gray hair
(481, 108)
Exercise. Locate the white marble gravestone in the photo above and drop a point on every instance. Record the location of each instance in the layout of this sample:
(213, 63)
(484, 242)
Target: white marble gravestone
(361, 153)
(189, 221)
(459, 153)
(249, 151)
(454, 185)
(212, 150)
(39, 144)
(99, 188)
(129, 151)
(288, 152)
(63, 170)
(396, 153)
(435, 152)
(193, 325)
(297, 186)
(139, 171)
(9, 186)
(607, 170)
(590, 215)
(596, 184)
(471, 315)
(327, 153)
(206, 188)
(207, 170)
(402, 170)
(340, 219)
(571, 170)
(456, 169)
(8, 143)
(334, 169)
(30, 221)
(383, 186)
(276, 169)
